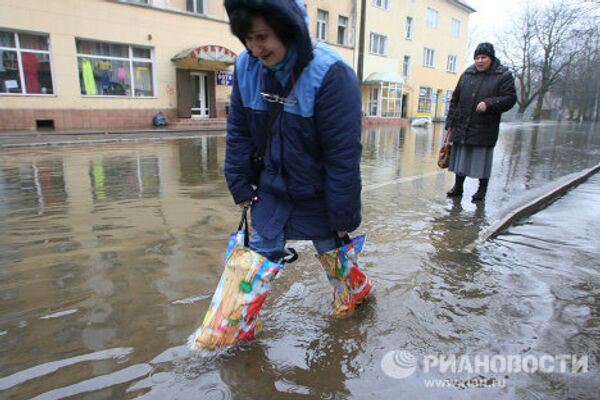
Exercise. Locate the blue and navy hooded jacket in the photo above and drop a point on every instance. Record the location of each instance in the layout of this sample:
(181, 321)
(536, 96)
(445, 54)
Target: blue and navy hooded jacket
(310, 186)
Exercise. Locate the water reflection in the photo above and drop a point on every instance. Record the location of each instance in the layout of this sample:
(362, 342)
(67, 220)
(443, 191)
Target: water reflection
(120, 247)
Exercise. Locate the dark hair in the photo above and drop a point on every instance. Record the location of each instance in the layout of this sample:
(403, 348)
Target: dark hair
(240, 23)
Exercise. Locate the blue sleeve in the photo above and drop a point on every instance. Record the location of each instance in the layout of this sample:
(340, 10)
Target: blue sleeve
(338, 123)
(238, 149)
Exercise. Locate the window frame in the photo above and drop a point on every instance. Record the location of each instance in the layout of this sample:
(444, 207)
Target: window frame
(454, 63)
(195, 7)
(455, 23)
(383, 4)
(130, 59)
(19, 50)
(409, 27)
(432, 20)
(406, 64)
(379, 37)
(322, 25)
(428, 51)
(394, 101)
(424, 100)
(344, 31)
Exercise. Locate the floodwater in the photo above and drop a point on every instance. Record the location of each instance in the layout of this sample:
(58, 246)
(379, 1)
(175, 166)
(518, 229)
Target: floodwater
(111, 252)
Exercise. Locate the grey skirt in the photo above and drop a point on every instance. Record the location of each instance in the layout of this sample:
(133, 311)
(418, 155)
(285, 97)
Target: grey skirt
(471, 161)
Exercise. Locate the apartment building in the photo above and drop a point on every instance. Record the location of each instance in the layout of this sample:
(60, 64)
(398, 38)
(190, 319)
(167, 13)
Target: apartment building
(412, 56)
(113, 64)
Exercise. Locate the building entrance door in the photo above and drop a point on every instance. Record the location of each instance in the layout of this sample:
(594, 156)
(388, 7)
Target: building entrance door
(200, 103)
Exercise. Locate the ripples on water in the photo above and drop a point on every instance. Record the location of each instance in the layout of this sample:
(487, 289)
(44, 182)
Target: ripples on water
(110, 255)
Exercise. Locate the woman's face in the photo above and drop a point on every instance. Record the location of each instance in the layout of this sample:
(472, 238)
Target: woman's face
(264, 44)
(482, 62)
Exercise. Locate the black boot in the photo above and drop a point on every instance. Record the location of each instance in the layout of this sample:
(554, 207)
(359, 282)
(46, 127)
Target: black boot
(480, 194)
(457, 189)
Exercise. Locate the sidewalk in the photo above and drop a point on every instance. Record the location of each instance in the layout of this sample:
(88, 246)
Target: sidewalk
(12, 139)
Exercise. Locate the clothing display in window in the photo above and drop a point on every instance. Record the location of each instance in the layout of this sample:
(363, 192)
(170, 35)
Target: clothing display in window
(31, 66)
(87, 70)
(121, 74)
(143, 80)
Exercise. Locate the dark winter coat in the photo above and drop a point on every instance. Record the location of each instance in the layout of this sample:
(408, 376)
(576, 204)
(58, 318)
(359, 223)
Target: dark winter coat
(495, 87)
(310, 186)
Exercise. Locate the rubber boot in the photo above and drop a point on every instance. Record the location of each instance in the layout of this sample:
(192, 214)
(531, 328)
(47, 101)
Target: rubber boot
(457, 189)
(480, 194)
(350, 285)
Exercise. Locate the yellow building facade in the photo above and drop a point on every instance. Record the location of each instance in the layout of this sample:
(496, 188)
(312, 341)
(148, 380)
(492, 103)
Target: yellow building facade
(413, 56)
(114, 64)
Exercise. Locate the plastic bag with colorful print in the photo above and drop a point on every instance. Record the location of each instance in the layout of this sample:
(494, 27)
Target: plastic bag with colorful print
(350, 284)
(244, 285)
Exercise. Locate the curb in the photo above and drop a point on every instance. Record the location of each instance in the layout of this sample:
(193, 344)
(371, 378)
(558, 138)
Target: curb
(530, 208)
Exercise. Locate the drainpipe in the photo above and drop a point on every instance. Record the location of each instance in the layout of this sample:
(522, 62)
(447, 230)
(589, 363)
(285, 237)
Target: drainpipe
(361, 41)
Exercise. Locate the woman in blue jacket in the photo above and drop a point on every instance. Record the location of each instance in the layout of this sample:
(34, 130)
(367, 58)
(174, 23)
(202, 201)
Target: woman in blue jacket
(310, 186)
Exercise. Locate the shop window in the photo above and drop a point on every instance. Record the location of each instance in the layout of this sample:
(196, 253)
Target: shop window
(25, 66)
(391, 100)
(425, 95)
(373, 101)
(109, 69)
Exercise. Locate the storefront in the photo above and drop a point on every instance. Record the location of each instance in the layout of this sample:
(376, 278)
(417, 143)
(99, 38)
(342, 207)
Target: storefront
(385, 95)
(203, 81)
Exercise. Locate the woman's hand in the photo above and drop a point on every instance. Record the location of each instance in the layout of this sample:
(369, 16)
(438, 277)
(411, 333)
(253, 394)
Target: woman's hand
(248, 203)
(481, 107)
(341, 234)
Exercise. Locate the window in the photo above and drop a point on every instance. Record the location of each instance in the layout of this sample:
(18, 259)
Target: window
(322, 17)
(342, 30)
(408, 28)
(429, 57)
(385, 100)
(451, 63)
(424, 100)
(455, 27)
(25, 63)
(391, 100)
(432, 18)
(385, 4)
(378, 44)
(109, 69)
(195, 6)
(406, 67)
(373, 100)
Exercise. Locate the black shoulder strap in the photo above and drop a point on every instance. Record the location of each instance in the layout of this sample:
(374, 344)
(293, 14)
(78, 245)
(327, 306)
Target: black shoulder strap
(277, 107)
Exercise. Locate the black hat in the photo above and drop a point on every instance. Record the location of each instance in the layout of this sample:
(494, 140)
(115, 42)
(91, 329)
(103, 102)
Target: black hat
(486, 49)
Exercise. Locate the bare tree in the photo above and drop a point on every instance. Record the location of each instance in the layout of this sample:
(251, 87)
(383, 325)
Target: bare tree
(554, 30)
(521, 55)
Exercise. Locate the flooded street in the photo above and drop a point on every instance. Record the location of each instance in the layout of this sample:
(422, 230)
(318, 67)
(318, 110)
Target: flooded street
(111, 253)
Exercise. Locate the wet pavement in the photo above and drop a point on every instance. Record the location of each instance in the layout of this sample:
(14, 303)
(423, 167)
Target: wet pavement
(110, 253)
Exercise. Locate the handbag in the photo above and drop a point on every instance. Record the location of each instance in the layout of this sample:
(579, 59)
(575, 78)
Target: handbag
(257, 160)
(444, 154)
(232, 315)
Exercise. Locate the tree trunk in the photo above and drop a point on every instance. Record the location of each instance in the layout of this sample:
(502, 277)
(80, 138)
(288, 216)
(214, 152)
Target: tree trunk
(537, 112)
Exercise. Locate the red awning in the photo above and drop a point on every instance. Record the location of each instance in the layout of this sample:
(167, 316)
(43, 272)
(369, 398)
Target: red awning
(209, 52)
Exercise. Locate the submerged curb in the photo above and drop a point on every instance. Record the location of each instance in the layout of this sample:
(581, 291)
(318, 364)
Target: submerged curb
(531, 208)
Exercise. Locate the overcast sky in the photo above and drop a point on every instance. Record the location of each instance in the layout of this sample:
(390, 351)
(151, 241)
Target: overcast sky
(491, 16)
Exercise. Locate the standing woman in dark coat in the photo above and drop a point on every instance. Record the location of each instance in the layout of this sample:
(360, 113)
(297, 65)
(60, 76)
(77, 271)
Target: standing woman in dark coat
(485, 90)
